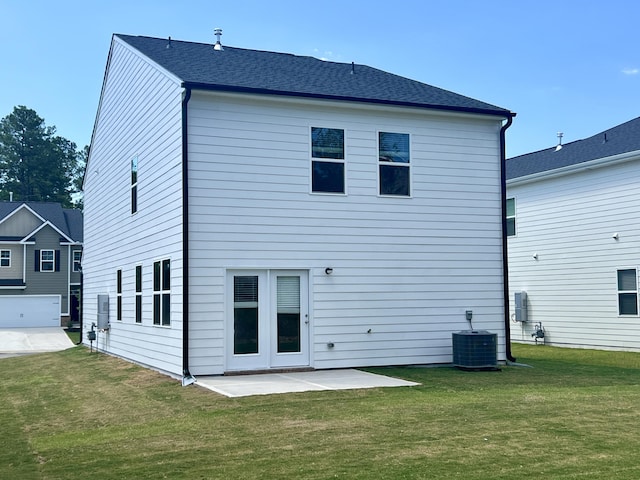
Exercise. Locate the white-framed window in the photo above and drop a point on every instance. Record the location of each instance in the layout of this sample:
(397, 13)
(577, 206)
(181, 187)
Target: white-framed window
(5, 258)
(511, 217)
(77, 260)
(627, 291)
(138, 293)
(162, 292)
(134, 185)
(394, 159)
(47, 260)
(119, 295)
(327, 160)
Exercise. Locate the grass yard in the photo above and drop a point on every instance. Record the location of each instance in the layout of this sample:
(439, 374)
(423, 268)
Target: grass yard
(75, 415)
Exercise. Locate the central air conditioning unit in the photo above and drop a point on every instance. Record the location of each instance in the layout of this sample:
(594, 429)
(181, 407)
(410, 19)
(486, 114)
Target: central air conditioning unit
(475, 350)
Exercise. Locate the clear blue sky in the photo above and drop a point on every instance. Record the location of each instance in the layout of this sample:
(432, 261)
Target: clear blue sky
(570, 66)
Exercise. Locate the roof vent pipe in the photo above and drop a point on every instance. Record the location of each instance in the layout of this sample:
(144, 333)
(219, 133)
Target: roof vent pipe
(218, 33)
(605, 139)
(11, 196)
(169, 42)
(559, 146)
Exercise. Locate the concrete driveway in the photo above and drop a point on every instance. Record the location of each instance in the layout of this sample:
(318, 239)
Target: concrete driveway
(22, 341)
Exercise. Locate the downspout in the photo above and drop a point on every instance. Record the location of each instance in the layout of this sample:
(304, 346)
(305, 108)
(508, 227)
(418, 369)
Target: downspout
(505, 258)
(187, 378)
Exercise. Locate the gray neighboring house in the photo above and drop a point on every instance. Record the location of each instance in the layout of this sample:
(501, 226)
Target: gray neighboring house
(40, 264)
(574, 241)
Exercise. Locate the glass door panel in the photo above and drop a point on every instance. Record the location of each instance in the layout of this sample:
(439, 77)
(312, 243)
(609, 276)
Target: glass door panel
(245, 314)
(288, 314)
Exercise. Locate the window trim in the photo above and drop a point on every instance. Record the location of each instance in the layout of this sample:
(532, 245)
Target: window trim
(161, 293)
(620, 292)
(381, 163)
(509, 217)
(5, 258)
(339, 161)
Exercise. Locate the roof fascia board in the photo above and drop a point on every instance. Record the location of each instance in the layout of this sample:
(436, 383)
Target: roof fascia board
(282, 93)
(20, 207)
(576, 167)
(48, 223)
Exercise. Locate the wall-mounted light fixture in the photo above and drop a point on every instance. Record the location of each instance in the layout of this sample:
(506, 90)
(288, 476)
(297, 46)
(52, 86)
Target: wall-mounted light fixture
(328, 270)
(616, 236)
(535, 256)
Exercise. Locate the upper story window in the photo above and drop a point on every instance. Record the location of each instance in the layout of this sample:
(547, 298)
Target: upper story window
(627, 292)
(77, 260)
(162, 292)
(327, 160)
(134, 184)
(47, 260)
(394, 164)
(511, 217)
(5, 258)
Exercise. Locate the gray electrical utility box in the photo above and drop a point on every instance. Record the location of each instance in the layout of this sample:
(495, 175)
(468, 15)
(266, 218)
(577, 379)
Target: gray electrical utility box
(521, 307)
(103, 312)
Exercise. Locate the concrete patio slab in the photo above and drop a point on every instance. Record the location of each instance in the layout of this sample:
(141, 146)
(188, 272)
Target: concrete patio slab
(272, 383)
(20, 341)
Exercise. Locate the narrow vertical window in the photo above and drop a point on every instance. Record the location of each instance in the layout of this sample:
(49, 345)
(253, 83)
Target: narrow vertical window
(511, 217)
(5, 258)
(162, 293)
(327, 164)
(627, 292)
(77, 260)
(394, 164)
(119, 295)
(139, 294)
(134, 184)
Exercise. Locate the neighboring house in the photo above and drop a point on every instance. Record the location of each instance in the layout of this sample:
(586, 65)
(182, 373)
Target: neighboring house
(40, 257)
(574, 244)
(249, 210)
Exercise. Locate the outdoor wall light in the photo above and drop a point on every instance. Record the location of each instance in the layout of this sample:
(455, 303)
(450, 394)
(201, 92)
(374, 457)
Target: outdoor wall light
(328, 270)
(535, 256)
(616, 236)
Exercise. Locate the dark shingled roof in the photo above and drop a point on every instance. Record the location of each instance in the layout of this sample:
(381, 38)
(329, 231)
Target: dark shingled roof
(67, 220)
(199, 66)
(623, 138)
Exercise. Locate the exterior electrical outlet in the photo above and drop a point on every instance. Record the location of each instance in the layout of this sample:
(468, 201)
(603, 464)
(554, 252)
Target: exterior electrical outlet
(521, 306)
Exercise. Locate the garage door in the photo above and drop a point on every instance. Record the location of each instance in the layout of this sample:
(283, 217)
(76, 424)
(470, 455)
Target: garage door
(29, 311)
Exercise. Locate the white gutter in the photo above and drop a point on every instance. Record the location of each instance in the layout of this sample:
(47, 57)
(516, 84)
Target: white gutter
(590, 165)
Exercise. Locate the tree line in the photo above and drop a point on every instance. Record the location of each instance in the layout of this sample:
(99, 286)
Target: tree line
(36, 165)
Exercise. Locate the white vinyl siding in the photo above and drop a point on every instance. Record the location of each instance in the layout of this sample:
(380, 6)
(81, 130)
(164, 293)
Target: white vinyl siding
(572, 285)
(403, 272)
(139, 114)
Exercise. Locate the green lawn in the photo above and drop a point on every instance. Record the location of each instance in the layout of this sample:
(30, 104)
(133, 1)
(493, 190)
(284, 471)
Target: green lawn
(76, 415)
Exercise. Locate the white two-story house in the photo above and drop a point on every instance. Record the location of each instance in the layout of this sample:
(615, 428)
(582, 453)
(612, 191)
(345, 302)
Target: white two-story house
(249, 210)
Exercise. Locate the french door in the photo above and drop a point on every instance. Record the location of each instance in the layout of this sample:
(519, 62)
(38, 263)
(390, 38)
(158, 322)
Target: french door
(267, 319)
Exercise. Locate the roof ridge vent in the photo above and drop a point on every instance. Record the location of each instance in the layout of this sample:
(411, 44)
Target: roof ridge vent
(218, 33)
(559, 146)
